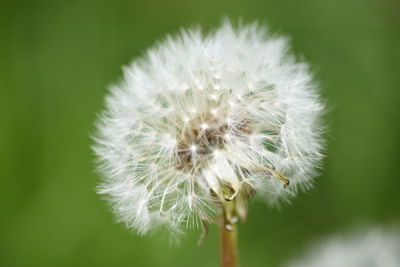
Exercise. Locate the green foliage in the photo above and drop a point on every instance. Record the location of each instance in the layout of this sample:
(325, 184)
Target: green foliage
(56, 60)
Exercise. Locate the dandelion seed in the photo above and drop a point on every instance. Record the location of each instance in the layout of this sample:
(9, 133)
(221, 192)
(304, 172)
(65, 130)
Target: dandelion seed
(214, 96)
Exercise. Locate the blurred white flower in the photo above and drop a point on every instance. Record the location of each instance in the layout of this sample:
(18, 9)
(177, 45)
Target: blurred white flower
(204, 120)
(368, 248)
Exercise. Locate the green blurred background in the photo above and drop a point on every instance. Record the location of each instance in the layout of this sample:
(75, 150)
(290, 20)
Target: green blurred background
(56, 60)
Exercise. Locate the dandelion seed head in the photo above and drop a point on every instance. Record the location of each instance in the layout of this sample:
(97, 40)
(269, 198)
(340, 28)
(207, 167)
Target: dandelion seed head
(204, 119)
(372, 247)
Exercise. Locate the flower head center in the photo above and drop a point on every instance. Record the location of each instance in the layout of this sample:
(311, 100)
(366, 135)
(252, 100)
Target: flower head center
(204, 135)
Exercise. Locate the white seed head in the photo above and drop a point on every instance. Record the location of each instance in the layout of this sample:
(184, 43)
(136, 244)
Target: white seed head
(372, 248)
(200, 120)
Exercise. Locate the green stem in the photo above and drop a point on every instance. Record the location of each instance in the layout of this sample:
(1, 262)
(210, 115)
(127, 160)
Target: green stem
(229, 242)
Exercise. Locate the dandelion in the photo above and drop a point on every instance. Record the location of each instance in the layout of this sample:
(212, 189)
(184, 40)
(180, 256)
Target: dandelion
(371, 247)
(202, 123)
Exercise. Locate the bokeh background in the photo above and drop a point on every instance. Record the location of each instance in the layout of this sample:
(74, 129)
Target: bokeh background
(57, 59)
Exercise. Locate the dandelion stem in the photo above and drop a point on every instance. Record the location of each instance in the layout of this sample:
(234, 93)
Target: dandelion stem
(229, 242)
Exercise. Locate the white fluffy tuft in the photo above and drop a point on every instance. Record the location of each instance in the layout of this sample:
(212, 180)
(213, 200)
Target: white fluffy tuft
(369, 248)
(199, 113)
